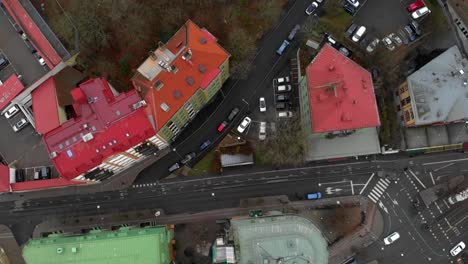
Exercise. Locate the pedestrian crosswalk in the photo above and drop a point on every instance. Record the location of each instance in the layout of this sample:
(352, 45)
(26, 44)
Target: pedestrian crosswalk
(378, 190)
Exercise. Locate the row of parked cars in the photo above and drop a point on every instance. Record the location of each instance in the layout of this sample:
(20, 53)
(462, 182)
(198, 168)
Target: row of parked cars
(20, 124)
(282, 97)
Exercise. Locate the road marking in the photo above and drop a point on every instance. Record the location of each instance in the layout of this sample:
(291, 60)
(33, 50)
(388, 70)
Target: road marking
(372, 198)
(381, 205)
(443, 167)
(377, 191)
(352, 187)
(445, 161)
(432, 177)
(416, 177)
(366, 183)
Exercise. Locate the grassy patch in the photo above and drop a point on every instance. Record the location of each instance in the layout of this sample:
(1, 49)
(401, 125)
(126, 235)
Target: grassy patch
(204, 166)
(335, 20)
(435, 22)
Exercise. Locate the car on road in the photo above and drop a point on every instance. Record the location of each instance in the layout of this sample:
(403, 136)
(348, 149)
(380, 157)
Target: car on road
(359, 33)
(391, 238)
(293, 32)
(262, 131)
(283, 47)
(415, 6)
(396, 39)
(174, 167)
(285, 114)
(262, 104)
(314, 196)
(244, 124)
(3, 63)
(188, 158)
(388, 43)
(420, 12)
(282, 97)
(354, 3)
(311, 8)
(222, 126)
(410, 33)
(283, 88)
(281, 80)
(350, 30)
(457, 249)
(371, 47)
(20, 125)
(205, 144)
(11, 111)
(232, 114)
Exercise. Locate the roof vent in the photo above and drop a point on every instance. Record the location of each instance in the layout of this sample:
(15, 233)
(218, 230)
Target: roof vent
(331, 68)
(87, 137)
(152, 55)
(177, 94)
(92, 99)
(53, 154)
(59, 250)
(158, 85)
(187, 55)
(201, 68)
(202, 40)
(165, 107)
(139, 104)
(190, 81)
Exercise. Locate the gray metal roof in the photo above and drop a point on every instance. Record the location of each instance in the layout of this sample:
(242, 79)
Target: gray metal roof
(439, 90)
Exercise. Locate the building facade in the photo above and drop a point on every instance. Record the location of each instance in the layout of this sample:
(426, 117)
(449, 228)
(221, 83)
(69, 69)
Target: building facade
(180, 78)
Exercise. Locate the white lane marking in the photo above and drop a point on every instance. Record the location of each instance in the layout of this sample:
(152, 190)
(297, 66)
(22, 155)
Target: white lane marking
(352, 187)
(432, 177)
(445, 161)
(372, 198)
(377, 191)
(416, 177)
(362, 190)
(383, 207)
(443, 167)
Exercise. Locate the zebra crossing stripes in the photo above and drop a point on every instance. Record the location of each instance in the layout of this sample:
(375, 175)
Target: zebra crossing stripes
(378, 190)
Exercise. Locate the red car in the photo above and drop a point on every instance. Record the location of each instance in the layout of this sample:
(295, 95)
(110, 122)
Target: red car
(415, 6)
(222, 126)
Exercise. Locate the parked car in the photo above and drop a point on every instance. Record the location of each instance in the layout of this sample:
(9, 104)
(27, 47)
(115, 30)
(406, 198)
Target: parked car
(262, 131)
(39, 58)
(222, 126)
(311, 8)
(359, 33)
(281, 80)
(388, 43)
(457, 249)
(350, 30)
(188, 158)
(3, 63)
(354, 3)
(11, 111)
(262, 104)
(314, 196)
(244, 124)
(391, 238)
(174, 167)
(282, 97)
(331, 40)
(344, 51)
(205, 144)
(403, 36)
(19, 175)
(371, 47)
(350, 9)
(20, 125)
(232, 114)
(420, 12)
(410, 33)
(396, 39)
(415, 27)
(293, 32)
(283, 88)
(285, 114)
(415, 6)
(283, 47)
(45, 173)
(280, 106)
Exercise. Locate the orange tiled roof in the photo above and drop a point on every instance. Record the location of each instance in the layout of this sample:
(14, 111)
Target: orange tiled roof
(207, 56)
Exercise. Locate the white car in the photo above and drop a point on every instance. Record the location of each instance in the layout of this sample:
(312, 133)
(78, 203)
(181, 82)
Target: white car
(457, 249)
(20, 125)
(281, 80)
(262, 104)
(359, 33)
(244, 124)
(391, 238)
(354, 3)
(262, 131)
(311, 8)
(388, 43)
(11, 112)
(41, 61)
(420, 12)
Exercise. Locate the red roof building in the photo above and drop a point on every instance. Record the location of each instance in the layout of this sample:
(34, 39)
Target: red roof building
(182, 74)
(4, 178)
(106, 125)
(9, 90)
(340, 93)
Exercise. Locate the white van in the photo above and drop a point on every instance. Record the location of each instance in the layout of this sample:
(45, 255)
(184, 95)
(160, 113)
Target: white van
(11, 112)
(284, 114)
(283, 88)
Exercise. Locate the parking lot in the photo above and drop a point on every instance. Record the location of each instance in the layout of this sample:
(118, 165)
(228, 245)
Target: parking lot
(18, 52)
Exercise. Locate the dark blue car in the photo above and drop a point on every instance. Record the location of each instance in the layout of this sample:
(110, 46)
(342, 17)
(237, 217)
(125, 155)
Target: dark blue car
(205, 144)
(314, 196)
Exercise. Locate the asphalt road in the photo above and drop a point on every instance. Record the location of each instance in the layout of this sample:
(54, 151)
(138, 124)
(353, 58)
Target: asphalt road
(243, 94)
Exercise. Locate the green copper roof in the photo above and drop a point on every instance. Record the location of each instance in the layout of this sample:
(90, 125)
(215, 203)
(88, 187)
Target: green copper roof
(142, 246)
